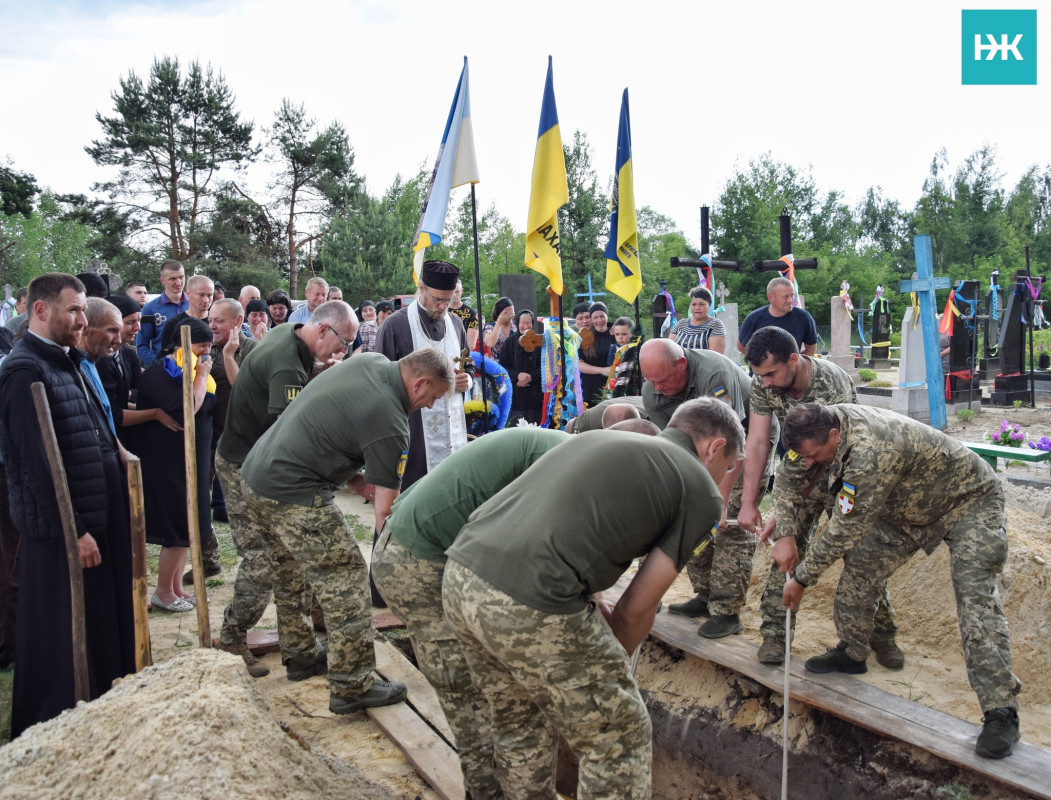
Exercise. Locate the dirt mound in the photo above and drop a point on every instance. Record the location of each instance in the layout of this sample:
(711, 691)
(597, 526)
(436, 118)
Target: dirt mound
(193, 726)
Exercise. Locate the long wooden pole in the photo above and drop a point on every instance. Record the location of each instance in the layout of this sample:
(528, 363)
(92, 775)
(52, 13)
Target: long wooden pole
(143, 651)
(189, 438)
(81, 683)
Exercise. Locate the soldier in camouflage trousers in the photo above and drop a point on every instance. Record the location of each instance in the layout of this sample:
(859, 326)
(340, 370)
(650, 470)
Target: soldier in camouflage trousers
(901, 486)
(412, 588)
(408, 564)
(314, 545)
(782, 379)
(553, 655)
(252, 584)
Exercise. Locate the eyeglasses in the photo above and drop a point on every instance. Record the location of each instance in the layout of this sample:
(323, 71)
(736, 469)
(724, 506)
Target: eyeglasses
(342, 341)
(438, 301)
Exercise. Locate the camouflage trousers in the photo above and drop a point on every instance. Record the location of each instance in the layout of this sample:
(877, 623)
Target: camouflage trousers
(722, 570)
(977, 545)
(252, 584)
(412, 588)
(547, 672)
(790, 482)
(313, 546)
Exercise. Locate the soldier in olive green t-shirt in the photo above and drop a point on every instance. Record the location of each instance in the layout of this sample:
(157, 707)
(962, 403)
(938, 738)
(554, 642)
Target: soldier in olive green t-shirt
(408, 564)
(521, 581)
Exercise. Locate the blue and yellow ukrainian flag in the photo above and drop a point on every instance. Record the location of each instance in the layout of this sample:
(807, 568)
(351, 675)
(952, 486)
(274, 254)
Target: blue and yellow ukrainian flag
(623, 269)
(453, 168)
(550, 191)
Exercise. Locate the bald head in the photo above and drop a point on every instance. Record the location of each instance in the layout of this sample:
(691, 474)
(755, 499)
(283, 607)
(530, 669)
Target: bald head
(619, 412)
(637, 425)
(663, 364)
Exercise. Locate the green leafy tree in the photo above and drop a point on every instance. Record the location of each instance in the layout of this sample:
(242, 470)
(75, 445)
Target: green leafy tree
(169, 138)
(745, 223)
(17, 190)
(45, 241)
(583, 221)
(316, 177)
(367, 250)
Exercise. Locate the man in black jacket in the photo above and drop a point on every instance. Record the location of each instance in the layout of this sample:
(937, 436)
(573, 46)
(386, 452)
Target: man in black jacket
(47, 353)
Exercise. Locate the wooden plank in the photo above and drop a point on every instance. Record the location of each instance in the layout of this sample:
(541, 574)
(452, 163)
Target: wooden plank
(995, 451)
(868, 706)
(432, 758)
(394, 666)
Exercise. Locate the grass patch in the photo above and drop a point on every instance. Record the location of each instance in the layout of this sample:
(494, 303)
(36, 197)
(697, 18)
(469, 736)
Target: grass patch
(866, 374)
(7, 683)
(362, 533)
(880, 384)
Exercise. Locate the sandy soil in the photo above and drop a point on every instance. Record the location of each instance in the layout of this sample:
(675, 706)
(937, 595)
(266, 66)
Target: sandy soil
(303, 706)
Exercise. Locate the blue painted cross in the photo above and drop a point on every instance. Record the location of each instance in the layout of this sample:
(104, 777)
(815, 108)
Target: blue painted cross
(590, 294)
(924, 286)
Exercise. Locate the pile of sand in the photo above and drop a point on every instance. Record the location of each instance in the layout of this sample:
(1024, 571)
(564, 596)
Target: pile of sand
(193, 726)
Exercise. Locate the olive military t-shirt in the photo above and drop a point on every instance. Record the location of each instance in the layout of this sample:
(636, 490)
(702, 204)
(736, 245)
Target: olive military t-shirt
(708, 374)
(270, 377)
(352, 415)
(428, 516)
(550, 542)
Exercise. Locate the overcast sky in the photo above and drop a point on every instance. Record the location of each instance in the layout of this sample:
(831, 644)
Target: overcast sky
(864, 92)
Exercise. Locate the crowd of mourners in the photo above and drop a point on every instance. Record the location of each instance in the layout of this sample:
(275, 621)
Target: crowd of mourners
(493, 553)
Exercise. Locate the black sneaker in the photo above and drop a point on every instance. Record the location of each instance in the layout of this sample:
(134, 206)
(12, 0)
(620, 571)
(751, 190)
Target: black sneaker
(697, 607)
(720, 625)
(999, 733)
(382, 693)
(836, 660)
(302, 667)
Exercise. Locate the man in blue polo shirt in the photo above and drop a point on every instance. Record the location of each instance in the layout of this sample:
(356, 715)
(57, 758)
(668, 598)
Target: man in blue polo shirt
(155, 313)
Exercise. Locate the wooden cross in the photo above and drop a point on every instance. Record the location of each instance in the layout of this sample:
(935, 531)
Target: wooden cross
(924, 287)
(531, 341)
(786, 250)
(705, 262)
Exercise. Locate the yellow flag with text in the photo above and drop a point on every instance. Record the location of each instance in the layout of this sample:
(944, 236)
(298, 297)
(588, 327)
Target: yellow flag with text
(550, 191)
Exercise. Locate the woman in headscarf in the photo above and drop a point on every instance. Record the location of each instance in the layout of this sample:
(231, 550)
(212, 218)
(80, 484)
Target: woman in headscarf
(524, 368)
(369, 327)
(163, 459)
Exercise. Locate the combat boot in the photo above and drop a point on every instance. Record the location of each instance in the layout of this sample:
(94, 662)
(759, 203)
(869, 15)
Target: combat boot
(210, 560)
(720, 625)
(697, 607)
(256, 668)
(382, 693)
(888, 654)
(772, 652)
(999, 733)
(836, 660)
(299, 668)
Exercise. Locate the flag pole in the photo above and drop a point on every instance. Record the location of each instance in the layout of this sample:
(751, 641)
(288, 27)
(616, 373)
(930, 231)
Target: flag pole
(478, 310)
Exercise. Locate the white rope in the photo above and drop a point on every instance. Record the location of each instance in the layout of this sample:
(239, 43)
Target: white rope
(784, 724)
